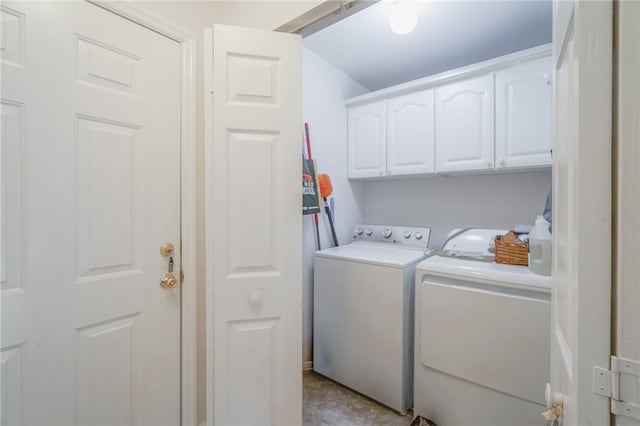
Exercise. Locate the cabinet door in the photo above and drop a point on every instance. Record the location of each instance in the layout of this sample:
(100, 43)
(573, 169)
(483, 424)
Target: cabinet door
(411, 134)
(367, 140)
(464, 125)
(523, 115)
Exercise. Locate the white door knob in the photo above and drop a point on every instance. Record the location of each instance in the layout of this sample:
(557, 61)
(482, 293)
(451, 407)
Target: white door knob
(255, 298)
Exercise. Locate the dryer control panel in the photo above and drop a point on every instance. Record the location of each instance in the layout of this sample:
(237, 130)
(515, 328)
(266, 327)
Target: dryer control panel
(409, 236)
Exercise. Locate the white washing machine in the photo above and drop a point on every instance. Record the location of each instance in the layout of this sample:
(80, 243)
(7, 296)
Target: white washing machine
(363, 312)
(482, 337)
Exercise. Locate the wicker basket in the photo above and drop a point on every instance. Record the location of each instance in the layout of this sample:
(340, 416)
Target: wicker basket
(511, 251)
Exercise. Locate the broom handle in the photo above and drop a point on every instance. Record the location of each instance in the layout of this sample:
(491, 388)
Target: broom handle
(327, 209)
(308, 139)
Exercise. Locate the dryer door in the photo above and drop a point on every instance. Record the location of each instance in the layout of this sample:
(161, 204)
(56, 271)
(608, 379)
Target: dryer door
(485, 344)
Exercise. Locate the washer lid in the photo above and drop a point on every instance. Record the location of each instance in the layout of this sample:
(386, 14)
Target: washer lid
(489, 272)
(384, 254)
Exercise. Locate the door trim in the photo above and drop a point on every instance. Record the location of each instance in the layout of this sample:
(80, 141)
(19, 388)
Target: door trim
(626, 202)
(188, 336)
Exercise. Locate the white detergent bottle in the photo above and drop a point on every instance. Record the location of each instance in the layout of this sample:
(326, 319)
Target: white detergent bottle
(540, 248)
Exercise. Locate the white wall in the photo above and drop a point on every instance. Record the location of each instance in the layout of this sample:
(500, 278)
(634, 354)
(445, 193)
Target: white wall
(324, 89)
(445, 203)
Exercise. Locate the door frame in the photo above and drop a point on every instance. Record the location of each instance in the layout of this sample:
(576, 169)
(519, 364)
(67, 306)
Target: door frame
(626, 203)
(188, 289)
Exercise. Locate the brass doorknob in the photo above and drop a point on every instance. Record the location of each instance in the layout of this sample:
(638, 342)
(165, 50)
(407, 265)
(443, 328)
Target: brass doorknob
(168, 280)
(166, 249)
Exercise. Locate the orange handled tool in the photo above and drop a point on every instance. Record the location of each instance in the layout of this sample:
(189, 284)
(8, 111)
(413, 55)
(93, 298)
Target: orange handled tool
(326, 188)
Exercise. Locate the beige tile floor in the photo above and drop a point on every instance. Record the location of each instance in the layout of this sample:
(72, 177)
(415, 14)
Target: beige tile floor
(326, 403)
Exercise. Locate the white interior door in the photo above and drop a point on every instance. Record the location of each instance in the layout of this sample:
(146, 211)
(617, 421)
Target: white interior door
(254, 227)
(627, 339)
(90, 170)
(580, 314)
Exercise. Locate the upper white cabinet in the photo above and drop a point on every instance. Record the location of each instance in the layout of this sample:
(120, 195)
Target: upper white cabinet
(411, 134)
(367, 147)
(464, 125)
(523, 115)
(486, 117)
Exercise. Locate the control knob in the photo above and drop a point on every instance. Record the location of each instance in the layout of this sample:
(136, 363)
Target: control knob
(386, 233)
(359, 231)
(418, 235)
(407, 234)
(368, 232)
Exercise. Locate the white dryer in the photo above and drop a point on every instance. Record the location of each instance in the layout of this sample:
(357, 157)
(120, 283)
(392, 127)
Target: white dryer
(482, 337)
(363, 312)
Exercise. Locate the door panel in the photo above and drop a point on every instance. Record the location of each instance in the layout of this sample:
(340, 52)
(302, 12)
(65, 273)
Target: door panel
(13, 40)
(90, 189)
(253, 154)
(105, 394)
(254, 228)
(627, 207)
(12, 373)
(108, 204)
(107, 66)
(12, 256)
(581, 311)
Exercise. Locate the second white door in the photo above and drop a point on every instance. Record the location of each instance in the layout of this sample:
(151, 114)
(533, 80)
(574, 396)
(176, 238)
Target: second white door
(254, 228)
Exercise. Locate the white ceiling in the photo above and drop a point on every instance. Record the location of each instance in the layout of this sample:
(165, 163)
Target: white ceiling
(449, 34)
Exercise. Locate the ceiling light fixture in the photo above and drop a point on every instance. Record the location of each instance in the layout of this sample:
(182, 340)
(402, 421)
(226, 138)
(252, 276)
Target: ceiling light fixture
(403, 17)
